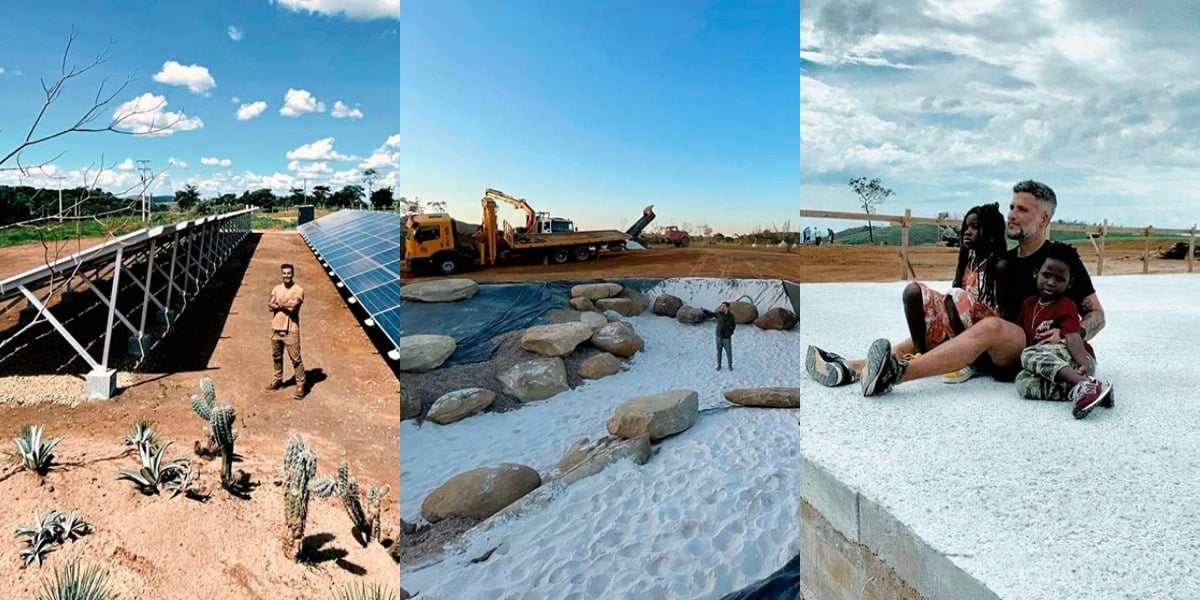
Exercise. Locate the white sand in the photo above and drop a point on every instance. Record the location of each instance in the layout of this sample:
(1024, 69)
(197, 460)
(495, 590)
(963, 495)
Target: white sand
(714, 509)
(1022, 496)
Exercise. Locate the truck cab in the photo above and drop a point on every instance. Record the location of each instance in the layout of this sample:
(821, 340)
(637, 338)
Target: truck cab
(431, 242)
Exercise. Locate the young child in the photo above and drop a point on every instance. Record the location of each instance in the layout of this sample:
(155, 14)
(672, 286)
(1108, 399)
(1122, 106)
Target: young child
(1061, 370)
(934, 317)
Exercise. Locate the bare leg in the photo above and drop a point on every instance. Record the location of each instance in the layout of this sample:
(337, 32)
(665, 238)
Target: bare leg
(1001, 340)
(901, 348)
(914, 313)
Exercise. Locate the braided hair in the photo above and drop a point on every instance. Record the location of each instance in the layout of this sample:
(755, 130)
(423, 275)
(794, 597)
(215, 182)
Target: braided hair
(990, 245)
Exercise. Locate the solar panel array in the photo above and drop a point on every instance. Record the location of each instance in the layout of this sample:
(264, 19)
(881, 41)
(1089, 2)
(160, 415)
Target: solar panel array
(362, 249)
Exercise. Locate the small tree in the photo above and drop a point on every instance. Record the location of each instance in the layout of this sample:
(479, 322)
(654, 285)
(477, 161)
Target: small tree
(369, 177)
(381, 199)
(870, 193)
(187, 198)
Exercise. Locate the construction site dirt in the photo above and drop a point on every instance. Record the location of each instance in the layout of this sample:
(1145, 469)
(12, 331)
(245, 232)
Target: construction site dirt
(800, 264)
(178, 547)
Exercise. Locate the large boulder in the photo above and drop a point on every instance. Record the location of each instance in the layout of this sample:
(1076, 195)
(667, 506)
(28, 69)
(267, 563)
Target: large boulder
(536, 379)
(774, 397)
(640, 301)
(459, 404)
(624, 306)
(439, 290)
(420, 353)
(479, 493)
(558, 339)
(600, 454)
(743, 312)
(596, 291)
(594, 320)
(658, 415)
(618, 338)
(667, 305)
(691, 315)
(410, 403)
(582, 304)
(600, 365)
(777, 318)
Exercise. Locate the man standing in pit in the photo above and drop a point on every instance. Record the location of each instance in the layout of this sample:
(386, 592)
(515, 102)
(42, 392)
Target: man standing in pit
(284, 304)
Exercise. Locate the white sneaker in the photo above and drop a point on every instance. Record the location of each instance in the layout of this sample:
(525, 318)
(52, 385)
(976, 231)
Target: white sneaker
(960, 375)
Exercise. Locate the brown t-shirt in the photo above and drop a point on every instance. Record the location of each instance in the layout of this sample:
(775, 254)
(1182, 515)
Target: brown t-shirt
(282, 321)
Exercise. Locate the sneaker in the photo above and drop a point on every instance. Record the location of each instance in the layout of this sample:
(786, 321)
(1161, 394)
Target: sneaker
(960, 375)
(1108, 400)
(718, 367)
(827, 368)
(1087, 394)
(274, 385)
(883, 369)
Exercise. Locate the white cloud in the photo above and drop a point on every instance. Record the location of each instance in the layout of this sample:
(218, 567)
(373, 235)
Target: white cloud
(341, 111)
(235, 100)
(1, 70)
(235, 34)
(175, 162)
(363, 10)
(393, 141)
(146, 114)
(216, 162)
(298, 102)
(248, 111)
(319, 150)
(381, 159)
(312, 168)
(126, 165)
(195, 77)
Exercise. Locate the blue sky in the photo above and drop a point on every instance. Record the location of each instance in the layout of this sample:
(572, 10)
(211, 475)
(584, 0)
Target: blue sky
(260, 93)
(592, 110)
(952, 103)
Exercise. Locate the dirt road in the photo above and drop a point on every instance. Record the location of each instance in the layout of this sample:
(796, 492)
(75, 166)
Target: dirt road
(802, 264)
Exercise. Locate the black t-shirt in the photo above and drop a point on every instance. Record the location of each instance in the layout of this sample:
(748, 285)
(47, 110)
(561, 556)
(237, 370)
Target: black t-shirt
(1021, 284)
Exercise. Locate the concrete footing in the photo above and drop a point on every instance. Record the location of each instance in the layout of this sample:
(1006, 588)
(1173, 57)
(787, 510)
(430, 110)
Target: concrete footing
(166, 317)
(851, 547)
(101, 384)
(26, 315)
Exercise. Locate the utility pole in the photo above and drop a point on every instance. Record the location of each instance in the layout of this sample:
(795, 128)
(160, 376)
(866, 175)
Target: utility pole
(143, 167)
(60, 179)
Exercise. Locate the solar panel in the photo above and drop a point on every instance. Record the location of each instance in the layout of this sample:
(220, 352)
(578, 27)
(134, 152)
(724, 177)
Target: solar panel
(362, 249)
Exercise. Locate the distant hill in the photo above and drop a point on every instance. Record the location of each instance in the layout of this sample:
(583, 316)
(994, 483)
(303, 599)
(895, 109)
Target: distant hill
(927, 235)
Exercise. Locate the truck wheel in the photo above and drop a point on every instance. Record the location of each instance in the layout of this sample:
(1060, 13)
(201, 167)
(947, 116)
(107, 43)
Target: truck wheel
(446, 264)
(581, 253)
(559, 256)
(684, 242)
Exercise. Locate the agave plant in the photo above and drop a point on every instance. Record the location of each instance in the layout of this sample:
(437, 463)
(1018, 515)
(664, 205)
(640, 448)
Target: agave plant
(362, 591)
(52, 528)
(76, 583)
(184, 482)
(155, 472)
(32, 453)
(41, 537)
(143, 434)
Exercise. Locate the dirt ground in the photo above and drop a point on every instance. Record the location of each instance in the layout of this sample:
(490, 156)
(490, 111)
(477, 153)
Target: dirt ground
(163, 547)
(804, 264)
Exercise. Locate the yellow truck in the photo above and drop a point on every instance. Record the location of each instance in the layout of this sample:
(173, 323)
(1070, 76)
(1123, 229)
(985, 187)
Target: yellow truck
(438, 243)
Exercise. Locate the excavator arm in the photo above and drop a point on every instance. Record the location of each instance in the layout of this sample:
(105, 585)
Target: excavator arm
(530, 222)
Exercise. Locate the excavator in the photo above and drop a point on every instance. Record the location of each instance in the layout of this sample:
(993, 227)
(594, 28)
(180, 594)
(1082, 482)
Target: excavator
(438, 242)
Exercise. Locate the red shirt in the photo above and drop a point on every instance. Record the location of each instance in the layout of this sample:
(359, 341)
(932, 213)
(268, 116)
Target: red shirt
(1061, 314)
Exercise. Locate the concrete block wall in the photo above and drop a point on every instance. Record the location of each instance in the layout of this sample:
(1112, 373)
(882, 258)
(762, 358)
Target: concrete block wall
(853, 548)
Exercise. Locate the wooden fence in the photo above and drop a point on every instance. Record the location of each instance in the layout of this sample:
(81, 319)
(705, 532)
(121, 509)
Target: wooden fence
(1096, 234)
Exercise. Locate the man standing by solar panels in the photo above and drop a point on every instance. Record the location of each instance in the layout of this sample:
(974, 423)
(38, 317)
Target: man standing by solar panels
(284, 304)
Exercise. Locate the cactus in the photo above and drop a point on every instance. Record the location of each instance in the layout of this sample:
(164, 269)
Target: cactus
(374, 499)
(346, 489)
(224, 435)
(299, 466)
(220, 432)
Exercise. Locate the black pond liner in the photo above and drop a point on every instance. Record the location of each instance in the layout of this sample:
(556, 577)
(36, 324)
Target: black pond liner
(783, 584)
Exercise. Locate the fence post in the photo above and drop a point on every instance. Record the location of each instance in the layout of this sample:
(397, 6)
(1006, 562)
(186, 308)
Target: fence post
(1191, 247)
(1146, 250)
(1103, 236)
(904, 245)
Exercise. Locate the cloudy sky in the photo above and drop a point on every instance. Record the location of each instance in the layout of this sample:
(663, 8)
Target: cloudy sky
(951, 102)
(592, 110)
(256, 93)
